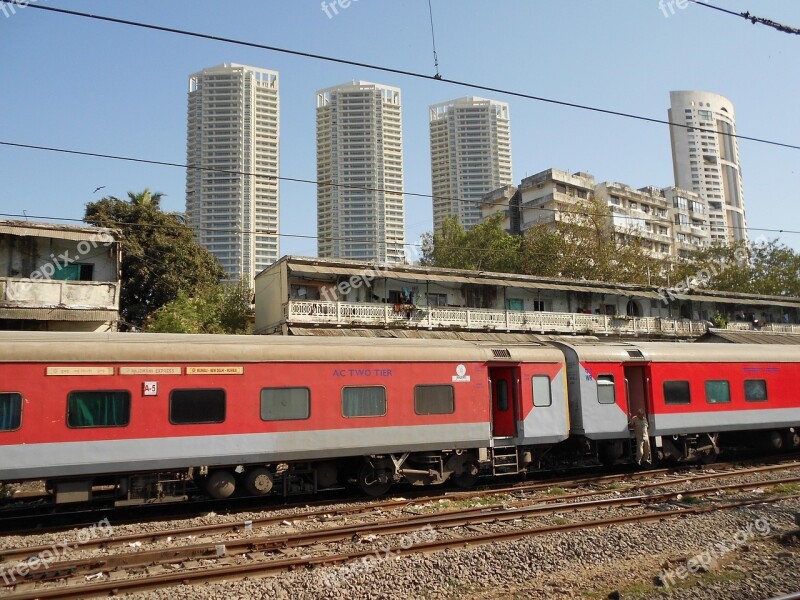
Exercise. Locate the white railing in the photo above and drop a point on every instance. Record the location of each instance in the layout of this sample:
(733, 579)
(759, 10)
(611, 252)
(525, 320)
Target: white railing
(350, 313)
(769, 327)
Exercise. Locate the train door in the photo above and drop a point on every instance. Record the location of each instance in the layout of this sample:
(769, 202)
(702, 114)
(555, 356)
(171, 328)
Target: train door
(504, 400)
(636, 388)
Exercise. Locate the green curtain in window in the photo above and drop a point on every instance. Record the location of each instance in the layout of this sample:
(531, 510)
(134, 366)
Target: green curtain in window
(98, 409)
(68, 273)
(364, 402)
(10, 411)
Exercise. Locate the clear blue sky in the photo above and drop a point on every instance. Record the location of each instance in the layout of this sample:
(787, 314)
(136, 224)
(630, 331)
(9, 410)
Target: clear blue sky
(70, 82)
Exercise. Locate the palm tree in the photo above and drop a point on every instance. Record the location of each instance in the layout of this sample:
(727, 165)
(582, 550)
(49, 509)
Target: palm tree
(145, 198)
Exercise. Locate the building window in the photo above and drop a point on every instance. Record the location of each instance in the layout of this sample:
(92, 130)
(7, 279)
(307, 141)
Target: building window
(541, 391)
(364, 401)
(98, 409)
(74, 272)
(680, 202)
(606, 392)
(677, 392)
(755, 390)
(718, 392)
(515, 304)
(434, 399)
(437, 299)
(188, 407)
(10, 411)
(538, 306)
(285, 404)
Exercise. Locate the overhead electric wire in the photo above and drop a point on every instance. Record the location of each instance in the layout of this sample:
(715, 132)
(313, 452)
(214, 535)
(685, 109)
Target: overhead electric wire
(433, 39)
(752, 18)
(396, 71)
(332, 184)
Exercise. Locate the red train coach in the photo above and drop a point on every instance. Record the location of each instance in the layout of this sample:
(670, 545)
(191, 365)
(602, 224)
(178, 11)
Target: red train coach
(143, 414)
(691, 394)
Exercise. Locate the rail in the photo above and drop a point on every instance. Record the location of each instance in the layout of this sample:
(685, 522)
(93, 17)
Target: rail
(402, 315)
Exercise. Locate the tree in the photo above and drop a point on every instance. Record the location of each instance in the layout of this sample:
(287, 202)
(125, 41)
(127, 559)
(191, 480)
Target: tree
(585, 243)
(160, 258)
(220, 309)
(485, 247)
(763, 267)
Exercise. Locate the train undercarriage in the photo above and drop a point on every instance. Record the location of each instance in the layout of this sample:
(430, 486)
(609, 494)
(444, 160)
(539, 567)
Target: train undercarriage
(375, 474)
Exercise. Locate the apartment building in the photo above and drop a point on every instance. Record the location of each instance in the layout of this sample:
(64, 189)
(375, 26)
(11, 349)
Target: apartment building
(232, 197)
(360, 204)
(705, 158)
(470, 156)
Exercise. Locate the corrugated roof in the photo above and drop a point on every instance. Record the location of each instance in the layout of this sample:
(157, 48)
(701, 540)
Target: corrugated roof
(746, 301)
(728, 336)
(469, 336)
(304, 270)
(50, 230)
(58, 314)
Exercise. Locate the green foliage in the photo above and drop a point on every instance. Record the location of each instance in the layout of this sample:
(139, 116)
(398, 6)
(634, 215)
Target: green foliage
(486, 247)
(220, 309)
(764, 267)
(583, 245)
(160, 258)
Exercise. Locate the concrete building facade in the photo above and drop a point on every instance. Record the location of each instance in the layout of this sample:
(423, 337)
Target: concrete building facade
(232, 202)
(360, 204)
(669, 221)
(58, 277)
(470, 156)
(705, 158)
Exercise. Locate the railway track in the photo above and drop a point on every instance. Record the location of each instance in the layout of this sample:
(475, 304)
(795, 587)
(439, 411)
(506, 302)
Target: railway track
(261, 552)
(40, 519)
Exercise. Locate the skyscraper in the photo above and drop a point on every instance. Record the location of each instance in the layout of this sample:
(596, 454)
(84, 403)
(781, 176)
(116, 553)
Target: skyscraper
(470, 156)
(360, 208)
(707, 162)
(233, 134)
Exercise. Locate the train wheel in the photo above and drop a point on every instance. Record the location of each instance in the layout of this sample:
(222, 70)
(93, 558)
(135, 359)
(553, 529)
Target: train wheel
(258, 482)
(468, 476)
(792, 439)
(220, 484)
(370, 483)
(709, 456)
(775, 440)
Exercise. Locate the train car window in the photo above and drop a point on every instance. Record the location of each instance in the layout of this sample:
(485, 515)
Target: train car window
(98, 409)
(285, 404)
(606, 389)
(718, 392)
(434, 399)
(502, 395)
(755, 390)
(541, 391)
(189, 407)
(677, 392)
(10, 411)
(364, 401)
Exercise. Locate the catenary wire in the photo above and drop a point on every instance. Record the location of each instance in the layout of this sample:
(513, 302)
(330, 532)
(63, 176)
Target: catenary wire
(751, 17)
(396, 71)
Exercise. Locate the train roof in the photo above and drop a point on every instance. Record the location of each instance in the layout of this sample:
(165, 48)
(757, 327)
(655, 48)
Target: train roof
(682, 352)
(71, 347)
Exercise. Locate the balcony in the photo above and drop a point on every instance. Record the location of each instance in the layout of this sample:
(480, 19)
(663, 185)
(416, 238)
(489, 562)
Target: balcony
(47, 294)
(766, 327)
(312, 312)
